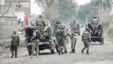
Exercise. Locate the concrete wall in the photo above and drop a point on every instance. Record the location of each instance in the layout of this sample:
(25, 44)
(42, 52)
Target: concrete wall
(7, 25)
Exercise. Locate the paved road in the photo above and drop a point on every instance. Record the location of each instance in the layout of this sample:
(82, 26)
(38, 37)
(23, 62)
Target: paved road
(99, 54)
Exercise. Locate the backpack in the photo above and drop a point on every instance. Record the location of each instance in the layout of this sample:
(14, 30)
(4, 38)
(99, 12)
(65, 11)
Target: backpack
(15, 40)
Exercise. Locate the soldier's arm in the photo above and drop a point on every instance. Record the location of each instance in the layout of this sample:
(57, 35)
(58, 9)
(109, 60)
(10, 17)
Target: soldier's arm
(89, 37)
(18, 40)
(82, 37)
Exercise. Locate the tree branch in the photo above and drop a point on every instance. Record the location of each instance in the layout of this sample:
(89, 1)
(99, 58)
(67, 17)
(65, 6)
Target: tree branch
(6, 11)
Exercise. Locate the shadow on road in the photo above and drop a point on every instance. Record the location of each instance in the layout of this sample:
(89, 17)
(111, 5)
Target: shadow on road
(45, 53)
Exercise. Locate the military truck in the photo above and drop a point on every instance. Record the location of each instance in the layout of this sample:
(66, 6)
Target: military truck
(75, 27)
(96, 30)
(47, 42)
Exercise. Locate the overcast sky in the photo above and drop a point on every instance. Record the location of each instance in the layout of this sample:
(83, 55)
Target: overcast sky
(35, 9)
(82, 2)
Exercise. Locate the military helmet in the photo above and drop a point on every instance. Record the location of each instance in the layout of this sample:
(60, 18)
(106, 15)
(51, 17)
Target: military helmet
(14, 32)
(95, 17)
(87, 29)
(40, 16)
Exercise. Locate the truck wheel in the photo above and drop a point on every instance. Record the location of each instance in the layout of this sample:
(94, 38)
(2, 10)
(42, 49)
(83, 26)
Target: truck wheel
(52, 52)
(102, 41)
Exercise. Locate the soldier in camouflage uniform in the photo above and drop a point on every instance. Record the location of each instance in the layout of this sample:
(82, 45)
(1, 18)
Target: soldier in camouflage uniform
(40, 23)
(14, 44)
(86, 38)
(60, 39)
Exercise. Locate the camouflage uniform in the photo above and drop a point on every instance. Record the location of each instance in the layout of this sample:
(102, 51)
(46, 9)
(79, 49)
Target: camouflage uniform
(40, 23)
(14, 44)
(66, 37)
(73, 42)
(86, 39)
(60, 39)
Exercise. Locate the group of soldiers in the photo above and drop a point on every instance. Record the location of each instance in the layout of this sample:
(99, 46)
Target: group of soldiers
(60, 32)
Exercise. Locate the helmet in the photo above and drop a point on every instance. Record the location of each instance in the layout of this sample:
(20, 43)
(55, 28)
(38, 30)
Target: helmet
(14, 32)
(87, 29)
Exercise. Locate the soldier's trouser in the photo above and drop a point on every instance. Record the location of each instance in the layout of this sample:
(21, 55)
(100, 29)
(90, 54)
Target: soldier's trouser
(73, 43)
(60, 47)
(35, 47)
(13, 49)
(29, 48)
(65, 47)
(86, 46)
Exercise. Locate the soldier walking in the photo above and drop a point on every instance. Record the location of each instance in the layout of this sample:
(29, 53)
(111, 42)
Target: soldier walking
(73, 42)
(60, 39)
(14, 44)
(86, 39)
(29, 34)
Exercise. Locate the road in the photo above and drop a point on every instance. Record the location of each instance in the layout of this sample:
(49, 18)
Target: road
(99, 54)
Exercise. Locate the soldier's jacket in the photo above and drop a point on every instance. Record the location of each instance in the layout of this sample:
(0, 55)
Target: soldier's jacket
(60, 35)
(40, 23)
(86, 37)
(15, 40)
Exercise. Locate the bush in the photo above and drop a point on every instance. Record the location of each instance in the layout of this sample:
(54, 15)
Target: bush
(110, 30)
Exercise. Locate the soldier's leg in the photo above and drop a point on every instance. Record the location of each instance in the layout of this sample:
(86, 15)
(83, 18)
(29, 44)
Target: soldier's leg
(65, 49)
(29, 49)
(73, 45)
(85, 46)
(16, 51)
(33, 47)
(37, 47)
(59, 48)
(12, 52)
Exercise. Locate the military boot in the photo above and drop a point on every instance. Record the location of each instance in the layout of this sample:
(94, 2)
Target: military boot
(73, 51)
(82, 51)
(87, 52)
(65, 51)
(12, 52)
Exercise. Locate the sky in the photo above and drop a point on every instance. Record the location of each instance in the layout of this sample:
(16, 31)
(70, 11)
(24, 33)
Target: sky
(82, 2)
(35, 9)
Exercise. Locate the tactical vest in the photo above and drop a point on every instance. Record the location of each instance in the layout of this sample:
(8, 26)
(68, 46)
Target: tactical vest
(15, 40)
(85, 36)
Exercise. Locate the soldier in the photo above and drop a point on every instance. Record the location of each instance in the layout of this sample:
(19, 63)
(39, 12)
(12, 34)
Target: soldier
(40, 23)
(29, 34)
(86, 39)
(66, 40)
(60, 39)
(14, 44)
(35, 40)
(73, 42)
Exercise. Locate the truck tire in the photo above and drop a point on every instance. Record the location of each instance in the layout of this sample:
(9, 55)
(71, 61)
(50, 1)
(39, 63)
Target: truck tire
(102, 41)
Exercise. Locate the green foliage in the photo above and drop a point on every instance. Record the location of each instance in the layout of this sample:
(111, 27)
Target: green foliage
(110, 30)
(67, 10)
